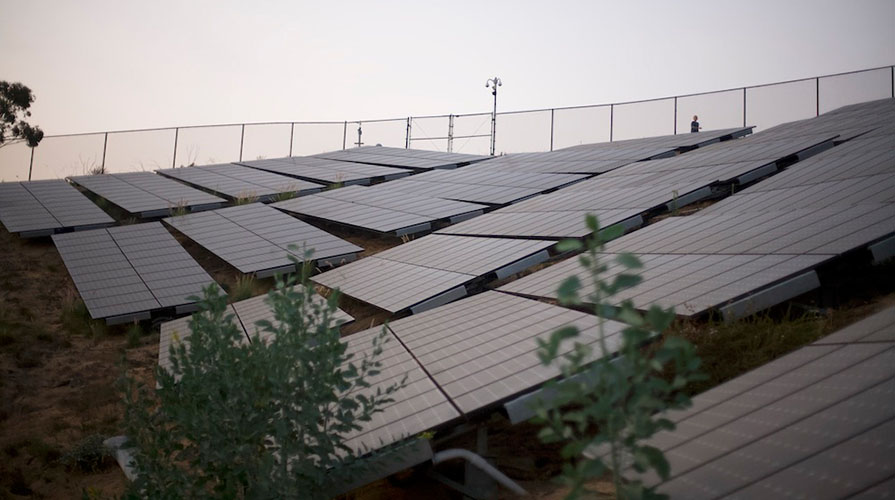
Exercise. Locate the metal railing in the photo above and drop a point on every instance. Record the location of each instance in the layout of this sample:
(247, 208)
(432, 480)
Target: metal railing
(545, 129)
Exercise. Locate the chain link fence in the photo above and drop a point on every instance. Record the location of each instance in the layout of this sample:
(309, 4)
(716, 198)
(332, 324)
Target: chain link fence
(764, 106)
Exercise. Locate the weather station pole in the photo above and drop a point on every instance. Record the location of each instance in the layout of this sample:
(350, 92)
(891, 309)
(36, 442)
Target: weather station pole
(493, 83)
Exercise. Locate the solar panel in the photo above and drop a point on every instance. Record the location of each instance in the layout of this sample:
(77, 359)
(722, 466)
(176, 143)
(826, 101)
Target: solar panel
(605, 157)
(380, 211)
(328, 171)
(236, 181)
(419, 406)
(125, 273)
(547, 225)
(256, 238)
(479, 186)
(40, 208)
(432, 270)
(404, 158)
(147, 195)
(693, 283)
(817, 423)
(483, 349)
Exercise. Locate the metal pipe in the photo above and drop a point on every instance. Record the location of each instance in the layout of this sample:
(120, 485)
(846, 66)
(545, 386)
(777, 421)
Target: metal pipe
(450, 136)
(242, 136)
(482, 464)
(344, 134)
(102, 165)
(817, 96)
(31, 165)
(611, 120)
(675, 116)
(407, 135)
(291, 137)
(744, 106)
(174, 160)
(551, 128)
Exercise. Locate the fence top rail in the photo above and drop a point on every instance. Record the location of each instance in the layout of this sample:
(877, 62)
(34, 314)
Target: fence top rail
(462, 115)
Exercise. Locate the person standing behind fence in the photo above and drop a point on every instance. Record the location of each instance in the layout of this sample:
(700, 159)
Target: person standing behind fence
(694, 125)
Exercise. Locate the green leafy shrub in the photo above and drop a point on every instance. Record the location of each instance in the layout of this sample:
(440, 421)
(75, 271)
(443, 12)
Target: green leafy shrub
(606, 406)
(261, 419)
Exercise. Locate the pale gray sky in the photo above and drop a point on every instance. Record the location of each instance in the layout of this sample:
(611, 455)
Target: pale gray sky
(101, 65)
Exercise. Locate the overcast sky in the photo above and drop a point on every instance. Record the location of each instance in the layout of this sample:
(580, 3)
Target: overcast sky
(103, 65)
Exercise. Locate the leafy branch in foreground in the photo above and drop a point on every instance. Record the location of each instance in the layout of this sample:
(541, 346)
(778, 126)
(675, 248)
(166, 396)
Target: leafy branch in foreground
(607, 406)
(261, 419)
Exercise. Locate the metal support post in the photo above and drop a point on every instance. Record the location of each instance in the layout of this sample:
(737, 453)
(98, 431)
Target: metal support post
(344, 135)
(552, 113)
(242, 136)
(817, 96)
(744, 106)
(291, 137)
(360, 132)
(407, 135)
(174, 160)
(450, 140)
(31, 165)
(675, 116)
(611, 120)
(102, 166)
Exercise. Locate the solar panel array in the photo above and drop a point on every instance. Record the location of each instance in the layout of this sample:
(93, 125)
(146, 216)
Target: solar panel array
(127, 272)
(629, 193)
(816, 423)
(464, 356)
(379, 211)
(237, 181)
(256, 238)
(415, 159)
(327, 171)
(41, 208)
(147, 195)
(432, 270)
(761, 246)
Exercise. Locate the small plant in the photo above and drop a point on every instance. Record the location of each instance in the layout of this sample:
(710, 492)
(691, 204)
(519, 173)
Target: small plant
(75, 317)
(134, 335)
(246, 198)
(89, 455)
(245, 287)
(289, 191)
(181, 208)
(606, 407)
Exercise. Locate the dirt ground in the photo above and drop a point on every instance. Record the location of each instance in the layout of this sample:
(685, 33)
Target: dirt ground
(59, 371)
